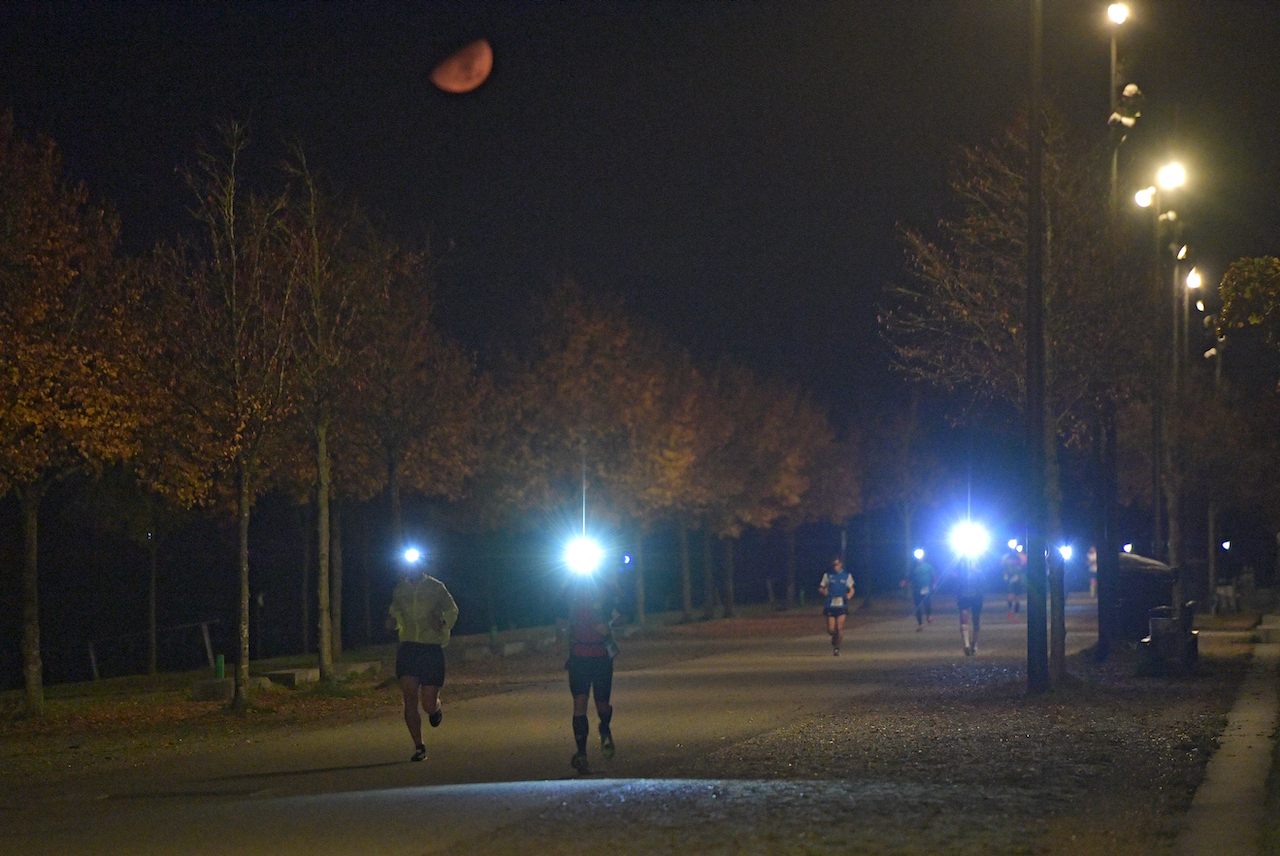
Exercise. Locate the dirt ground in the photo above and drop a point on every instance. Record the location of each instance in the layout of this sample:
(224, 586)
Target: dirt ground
(943, 760)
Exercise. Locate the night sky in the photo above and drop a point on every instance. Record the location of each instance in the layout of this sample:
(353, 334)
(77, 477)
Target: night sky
(735, 171)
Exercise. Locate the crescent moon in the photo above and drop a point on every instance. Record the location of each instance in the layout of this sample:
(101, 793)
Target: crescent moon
(465, 69)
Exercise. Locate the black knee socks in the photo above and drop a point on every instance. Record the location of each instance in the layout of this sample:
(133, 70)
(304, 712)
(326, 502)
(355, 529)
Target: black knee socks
(606, 717)
(580, 732)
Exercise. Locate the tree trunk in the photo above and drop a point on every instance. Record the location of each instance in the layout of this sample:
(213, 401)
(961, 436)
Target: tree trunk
(640, 570)
(728, 578)
(335, 579)
(1211, 521)
(323, 627)
(29, 498)
(490, 605)
(393, 496)
(791, 568)
(304, 587)
(908, 550)
(241, 699)
(1057, 588)
(1173, 523)
(686, 573)
(366, 582)
(708, 575)
(1102, 534)
(151, 605)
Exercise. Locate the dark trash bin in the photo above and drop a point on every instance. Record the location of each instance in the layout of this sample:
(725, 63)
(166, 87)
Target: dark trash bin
(1144, 584)
(1171, 642)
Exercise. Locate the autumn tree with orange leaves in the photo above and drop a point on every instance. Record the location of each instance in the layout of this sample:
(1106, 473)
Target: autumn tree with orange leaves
(72, 362)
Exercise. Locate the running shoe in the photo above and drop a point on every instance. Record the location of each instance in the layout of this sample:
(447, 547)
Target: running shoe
(420, 754)
(919, 627)
(929, 619)
(606, 746)
(835, 652)
(579, 762)
(434, 718)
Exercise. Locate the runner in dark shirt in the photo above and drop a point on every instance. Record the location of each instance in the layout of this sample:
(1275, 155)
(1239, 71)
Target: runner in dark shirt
(587, 623)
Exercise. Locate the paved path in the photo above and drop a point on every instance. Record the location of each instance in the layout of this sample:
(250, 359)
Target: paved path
(501, 761)
(1228, 812)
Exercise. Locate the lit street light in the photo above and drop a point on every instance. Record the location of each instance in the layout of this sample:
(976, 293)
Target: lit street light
(1171, 175)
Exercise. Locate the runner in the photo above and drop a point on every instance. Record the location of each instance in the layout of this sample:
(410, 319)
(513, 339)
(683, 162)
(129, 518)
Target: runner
(588, 626)
(837, 588)
(1014, 566)
(969, 602)
(920, 577)
(422, 613)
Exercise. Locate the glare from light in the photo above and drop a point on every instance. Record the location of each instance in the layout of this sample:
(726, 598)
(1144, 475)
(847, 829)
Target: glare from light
(412, 555)
(919, 554)
(969, 539)
(1118, 13)
(626, 560)
(1013, 543)
(1199, 305)
(1171, 176)
(1194, 280)
(583, 555)
(1066, 552)
(1226, 545)
(1145, 197)
(1128, 548)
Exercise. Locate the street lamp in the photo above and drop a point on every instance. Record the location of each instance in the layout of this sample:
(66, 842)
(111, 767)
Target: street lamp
(1118, 13)
(1171, 175)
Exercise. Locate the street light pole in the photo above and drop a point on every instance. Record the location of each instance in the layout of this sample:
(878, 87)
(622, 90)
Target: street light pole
(1106, 458)
(1118, 13)
(1150, 198)
(1033, 438)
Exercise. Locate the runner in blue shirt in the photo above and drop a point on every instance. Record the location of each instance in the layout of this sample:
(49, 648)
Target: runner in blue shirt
(837, 588)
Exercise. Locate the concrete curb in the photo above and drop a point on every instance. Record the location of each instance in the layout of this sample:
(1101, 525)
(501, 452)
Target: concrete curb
(1227, 813)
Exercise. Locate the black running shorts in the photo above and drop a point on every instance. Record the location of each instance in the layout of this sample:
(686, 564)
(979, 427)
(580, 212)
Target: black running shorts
(588, 672)
(422, 661)
(971, 602)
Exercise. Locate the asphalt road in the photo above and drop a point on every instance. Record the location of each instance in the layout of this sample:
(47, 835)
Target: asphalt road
(494, 763)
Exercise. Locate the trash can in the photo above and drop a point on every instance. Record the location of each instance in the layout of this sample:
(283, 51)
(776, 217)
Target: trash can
(1144, 585)
(1172, 643)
